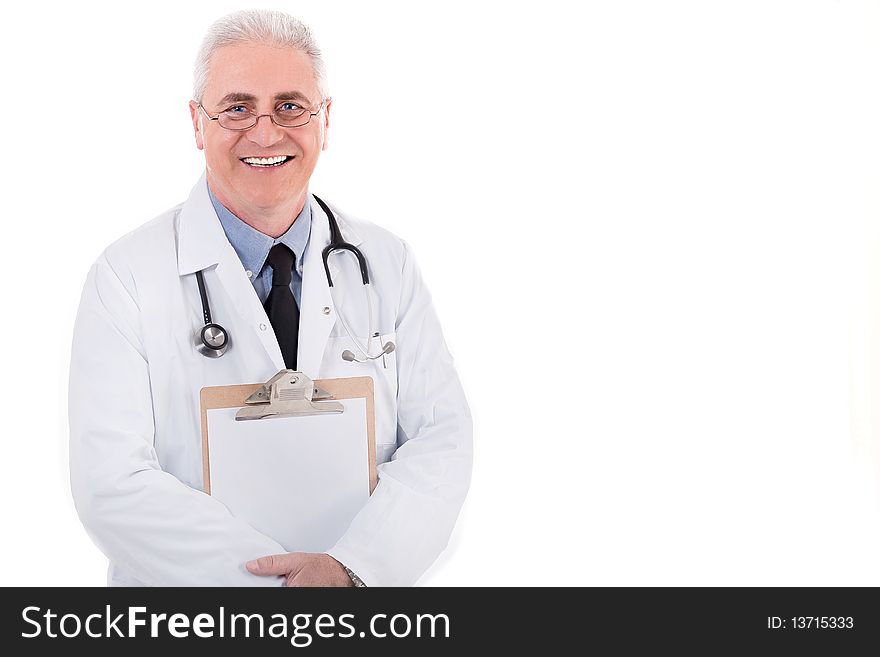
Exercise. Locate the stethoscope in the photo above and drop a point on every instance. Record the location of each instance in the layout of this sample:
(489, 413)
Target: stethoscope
(212, 340)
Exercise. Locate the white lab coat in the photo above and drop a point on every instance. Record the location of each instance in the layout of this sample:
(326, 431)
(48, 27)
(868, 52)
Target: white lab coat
(135, 377)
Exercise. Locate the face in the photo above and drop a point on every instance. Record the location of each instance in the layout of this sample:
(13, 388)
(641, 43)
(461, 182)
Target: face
(260, 78)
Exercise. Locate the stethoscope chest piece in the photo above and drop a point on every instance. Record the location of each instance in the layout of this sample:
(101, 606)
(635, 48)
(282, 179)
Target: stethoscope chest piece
(212, 340)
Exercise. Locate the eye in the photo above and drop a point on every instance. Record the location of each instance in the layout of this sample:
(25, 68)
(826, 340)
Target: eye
(289, 107)
(237, 109)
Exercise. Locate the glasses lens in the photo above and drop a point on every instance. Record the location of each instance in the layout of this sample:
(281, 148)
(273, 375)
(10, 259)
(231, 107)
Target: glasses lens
(236, 120)
(292, 118)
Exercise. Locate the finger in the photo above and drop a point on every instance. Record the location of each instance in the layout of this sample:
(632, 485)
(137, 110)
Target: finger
(274, 564)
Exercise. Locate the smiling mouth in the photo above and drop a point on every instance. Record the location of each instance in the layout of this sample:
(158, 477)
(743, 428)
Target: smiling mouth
(267, 162)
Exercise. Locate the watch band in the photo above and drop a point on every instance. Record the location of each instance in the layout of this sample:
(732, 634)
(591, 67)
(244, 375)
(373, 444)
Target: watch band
(357, 581)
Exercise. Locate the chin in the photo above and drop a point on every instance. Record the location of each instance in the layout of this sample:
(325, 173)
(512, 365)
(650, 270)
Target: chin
(271, 198)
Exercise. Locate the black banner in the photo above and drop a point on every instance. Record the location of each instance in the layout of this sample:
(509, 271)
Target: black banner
(436, 621)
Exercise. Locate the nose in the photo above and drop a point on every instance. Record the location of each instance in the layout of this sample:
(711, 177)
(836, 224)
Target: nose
(265, 133)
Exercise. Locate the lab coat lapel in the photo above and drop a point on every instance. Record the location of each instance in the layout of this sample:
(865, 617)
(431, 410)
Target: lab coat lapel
(244, 299)
(317, 310)
(203, 244)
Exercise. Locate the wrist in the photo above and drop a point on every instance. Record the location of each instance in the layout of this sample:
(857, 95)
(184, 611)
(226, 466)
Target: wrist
(349, 573)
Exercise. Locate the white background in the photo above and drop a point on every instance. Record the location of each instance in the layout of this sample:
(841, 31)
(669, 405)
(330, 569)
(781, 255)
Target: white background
(649, 230)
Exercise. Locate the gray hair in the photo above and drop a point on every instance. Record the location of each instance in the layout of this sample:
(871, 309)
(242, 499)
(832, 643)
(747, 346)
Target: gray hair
(257, 26)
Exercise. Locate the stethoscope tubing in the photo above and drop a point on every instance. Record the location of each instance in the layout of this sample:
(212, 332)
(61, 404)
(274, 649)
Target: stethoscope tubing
(337, 243)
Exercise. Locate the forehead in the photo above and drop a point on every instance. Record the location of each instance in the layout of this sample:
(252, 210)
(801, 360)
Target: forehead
(260, 70)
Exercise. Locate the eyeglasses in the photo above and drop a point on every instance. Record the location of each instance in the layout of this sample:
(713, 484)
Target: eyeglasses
(286, 115)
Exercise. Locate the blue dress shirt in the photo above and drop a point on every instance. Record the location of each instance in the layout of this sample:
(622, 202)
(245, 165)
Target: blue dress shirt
(253, 247)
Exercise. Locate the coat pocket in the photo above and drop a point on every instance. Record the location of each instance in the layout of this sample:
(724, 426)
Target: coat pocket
(383, 371)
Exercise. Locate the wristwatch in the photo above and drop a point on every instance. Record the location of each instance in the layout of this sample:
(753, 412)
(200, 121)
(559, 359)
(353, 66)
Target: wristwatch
(357, 581)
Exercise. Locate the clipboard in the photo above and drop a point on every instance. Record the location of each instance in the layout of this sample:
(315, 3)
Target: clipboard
(299, 470)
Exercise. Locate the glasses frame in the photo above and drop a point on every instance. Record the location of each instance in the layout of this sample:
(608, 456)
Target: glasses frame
(257, 118)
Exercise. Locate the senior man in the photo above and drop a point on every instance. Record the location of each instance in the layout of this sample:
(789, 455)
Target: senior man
(250, 239)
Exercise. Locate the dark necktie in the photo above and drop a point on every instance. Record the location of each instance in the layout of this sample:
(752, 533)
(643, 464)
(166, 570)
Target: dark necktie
(280, 306)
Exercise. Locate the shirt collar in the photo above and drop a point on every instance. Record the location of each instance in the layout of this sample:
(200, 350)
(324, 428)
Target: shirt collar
(252, 246)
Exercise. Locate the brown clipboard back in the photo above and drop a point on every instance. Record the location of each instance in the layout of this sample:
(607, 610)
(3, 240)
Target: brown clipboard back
(233, 396)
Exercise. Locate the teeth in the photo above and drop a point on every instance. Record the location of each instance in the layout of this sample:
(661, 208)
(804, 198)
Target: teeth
(266, 161)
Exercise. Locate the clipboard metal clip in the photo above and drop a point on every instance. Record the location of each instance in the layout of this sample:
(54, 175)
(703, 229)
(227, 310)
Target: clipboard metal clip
(288, 394)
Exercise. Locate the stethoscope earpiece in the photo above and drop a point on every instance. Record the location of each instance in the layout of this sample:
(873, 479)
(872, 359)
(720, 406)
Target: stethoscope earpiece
(349, 356)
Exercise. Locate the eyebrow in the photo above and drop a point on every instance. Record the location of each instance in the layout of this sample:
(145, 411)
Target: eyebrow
(239, 97)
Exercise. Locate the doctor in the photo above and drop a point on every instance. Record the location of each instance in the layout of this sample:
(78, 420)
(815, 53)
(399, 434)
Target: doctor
(254, 232)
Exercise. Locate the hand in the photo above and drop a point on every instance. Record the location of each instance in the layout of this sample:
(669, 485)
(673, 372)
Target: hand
(302, 569)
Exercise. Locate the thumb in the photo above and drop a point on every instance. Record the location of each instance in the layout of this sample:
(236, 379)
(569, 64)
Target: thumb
(275, 564)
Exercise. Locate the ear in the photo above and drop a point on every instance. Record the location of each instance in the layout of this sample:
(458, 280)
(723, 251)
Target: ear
(197, 124)
(326, 125)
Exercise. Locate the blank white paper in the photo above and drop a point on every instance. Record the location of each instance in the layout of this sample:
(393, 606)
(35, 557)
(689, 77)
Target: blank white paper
(299, 480)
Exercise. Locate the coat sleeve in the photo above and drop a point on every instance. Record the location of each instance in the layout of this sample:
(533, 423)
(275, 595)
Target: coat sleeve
(145, 520)
(408, 520)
